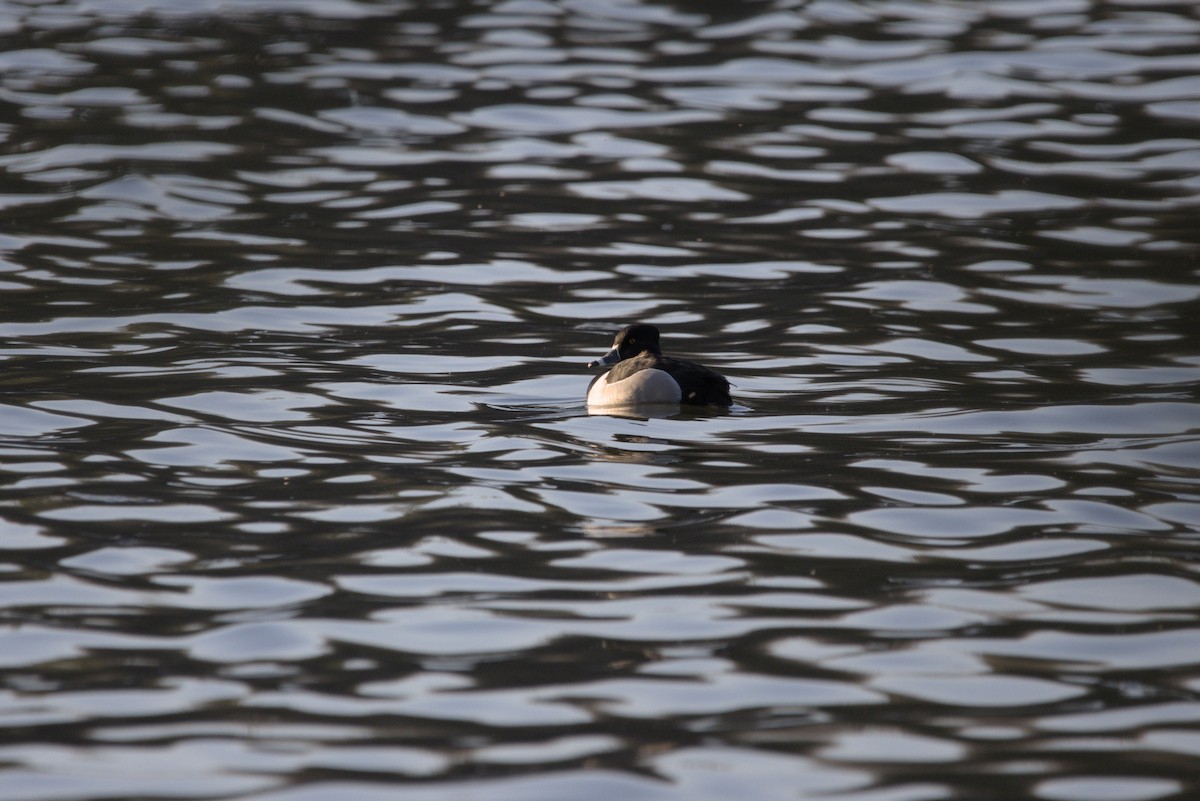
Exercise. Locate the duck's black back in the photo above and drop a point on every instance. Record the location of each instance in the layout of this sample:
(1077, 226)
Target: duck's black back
(699, 385)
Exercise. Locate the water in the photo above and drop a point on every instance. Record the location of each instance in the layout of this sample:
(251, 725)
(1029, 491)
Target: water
(301, 499)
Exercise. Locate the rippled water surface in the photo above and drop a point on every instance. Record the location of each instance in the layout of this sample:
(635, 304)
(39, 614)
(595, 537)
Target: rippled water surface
(301, 499)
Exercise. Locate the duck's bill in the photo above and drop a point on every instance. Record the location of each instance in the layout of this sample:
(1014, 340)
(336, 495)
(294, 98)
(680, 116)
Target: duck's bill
(612, 357)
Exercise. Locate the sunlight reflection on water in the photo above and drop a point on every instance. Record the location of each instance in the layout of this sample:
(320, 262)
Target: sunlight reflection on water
(304, 499)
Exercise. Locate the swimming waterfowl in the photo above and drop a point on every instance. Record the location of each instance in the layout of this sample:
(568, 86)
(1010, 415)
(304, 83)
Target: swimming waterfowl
(640, 374)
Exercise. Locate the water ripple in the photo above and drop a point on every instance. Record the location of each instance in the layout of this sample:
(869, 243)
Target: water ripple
(303, 499)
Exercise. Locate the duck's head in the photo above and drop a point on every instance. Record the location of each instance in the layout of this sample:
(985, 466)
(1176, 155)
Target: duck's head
(629, 342)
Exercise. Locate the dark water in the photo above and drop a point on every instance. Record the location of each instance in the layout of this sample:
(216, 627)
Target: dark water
(301, 501)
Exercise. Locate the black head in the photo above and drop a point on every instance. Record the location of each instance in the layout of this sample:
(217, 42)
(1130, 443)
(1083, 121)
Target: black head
(636, 338)
(629, 342)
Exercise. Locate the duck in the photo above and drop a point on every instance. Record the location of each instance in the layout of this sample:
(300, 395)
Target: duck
(641, 374)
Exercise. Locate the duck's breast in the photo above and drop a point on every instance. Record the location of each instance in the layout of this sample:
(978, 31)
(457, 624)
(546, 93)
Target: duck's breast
(643, 387)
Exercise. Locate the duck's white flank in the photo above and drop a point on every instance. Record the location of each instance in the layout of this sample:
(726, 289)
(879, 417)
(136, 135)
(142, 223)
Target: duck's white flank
(644, 386)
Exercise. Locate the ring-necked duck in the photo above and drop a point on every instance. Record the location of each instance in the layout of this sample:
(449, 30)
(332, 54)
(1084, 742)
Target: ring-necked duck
(641, 374)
